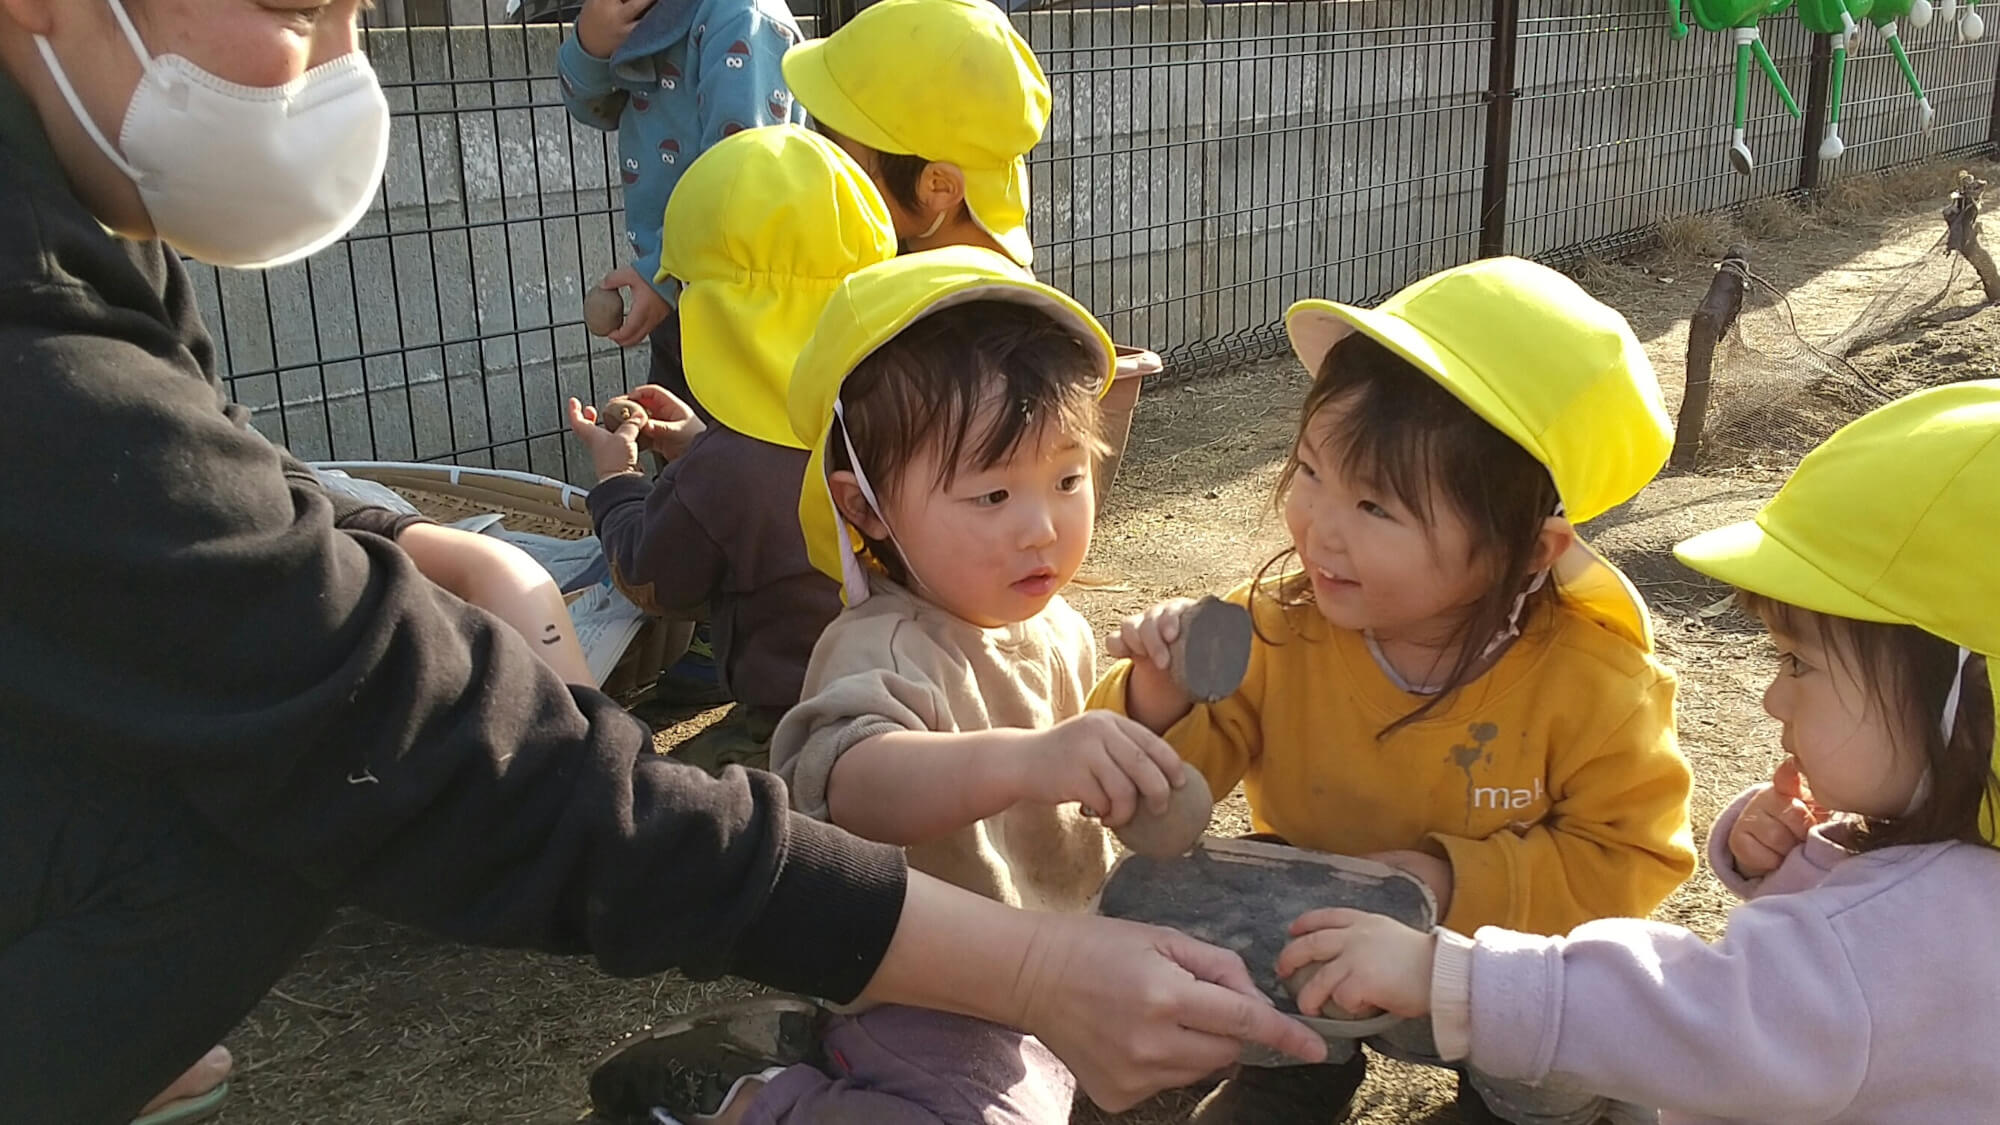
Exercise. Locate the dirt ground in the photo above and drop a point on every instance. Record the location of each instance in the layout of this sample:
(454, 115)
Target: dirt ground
(383, 1026)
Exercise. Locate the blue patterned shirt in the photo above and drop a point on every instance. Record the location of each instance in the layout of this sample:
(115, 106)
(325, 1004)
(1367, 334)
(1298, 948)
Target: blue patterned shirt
(691, 73)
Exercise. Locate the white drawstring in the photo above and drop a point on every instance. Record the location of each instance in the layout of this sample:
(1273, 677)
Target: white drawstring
(874, 505)
(1949, 724)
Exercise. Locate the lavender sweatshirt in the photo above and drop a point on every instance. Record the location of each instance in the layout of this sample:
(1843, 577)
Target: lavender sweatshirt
(1849, 988)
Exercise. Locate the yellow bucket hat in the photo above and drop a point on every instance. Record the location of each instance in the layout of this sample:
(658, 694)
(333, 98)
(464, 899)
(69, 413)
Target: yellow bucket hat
(1895, 519)
(868, 310)
(947, 80)
(759, 232)
(1546, 364)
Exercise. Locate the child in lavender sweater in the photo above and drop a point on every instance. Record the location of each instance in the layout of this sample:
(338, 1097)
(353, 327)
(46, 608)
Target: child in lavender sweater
(1858, 982)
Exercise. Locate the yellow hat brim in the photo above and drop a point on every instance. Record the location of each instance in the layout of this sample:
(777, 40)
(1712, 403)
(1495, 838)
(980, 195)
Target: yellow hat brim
(1747, 556)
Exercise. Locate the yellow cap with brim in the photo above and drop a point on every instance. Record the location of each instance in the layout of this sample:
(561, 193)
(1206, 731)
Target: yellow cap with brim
(760, 231)
(1546, 364)
(950, 81)
(1895, 519)
(868, 310)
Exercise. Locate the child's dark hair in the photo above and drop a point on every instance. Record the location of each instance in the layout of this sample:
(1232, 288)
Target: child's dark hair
(1909, 673)
(901, 173)
(1413, 439)
(928, 387)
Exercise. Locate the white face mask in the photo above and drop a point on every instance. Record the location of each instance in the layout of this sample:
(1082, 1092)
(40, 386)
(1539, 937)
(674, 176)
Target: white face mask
(242, 175)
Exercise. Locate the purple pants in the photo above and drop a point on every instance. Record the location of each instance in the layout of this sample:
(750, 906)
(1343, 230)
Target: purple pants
(912, 1066)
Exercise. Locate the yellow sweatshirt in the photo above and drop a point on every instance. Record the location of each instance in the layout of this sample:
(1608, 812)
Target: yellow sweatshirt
(1552, 782)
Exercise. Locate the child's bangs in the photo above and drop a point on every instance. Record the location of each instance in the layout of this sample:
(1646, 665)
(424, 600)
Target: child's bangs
(1386, 441)
(1021, 407)
(972, 383)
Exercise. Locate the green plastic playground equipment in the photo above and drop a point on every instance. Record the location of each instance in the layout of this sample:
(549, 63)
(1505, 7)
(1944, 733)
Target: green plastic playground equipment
(1740, 19)
(1840, 19)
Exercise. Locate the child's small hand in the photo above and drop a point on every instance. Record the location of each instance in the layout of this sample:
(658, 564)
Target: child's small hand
(1103, 761)
(1370, 962)
(1435, 872)
(1773, 823)
(649, 310)
(603, 25)
(612, 452)
(1152, 696)
(671, 426)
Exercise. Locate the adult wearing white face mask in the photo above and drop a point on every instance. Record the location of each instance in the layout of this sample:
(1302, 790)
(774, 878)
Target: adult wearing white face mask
(221, 715)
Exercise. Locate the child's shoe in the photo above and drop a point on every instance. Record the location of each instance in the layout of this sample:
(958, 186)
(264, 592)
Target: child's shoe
(690, 1067)
(695, 681)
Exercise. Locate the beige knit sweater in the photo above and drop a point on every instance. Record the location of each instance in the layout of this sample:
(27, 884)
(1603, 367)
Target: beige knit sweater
(897, 662)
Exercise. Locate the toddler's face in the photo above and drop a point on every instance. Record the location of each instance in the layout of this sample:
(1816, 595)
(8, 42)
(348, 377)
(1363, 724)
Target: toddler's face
(1855, 757)
(997, 545)
(1373, 563)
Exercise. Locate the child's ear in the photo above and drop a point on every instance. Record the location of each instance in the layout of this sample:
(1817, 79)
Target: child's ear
(854, 506)
(941, 189)
(1556, 538)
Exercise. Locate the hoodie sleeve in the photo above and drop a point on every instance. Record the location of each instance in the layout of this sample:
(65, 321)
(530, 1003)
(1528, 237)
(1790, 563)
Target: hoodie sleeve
(661, 555)
(742, 86)
(175, 605)
(589, 94)
(1767, 1024)
(1219, 738)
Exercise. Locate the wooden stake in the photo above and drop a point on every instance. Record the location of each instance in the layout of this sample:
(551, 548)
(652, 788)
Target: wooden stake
(1712, 320)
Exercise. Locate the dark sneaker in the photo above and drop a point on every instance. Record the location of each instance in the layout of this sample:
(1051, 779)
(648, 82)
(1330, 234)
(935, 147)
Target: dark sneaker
(695, 681)
(688, 1066)
(1287, 1095)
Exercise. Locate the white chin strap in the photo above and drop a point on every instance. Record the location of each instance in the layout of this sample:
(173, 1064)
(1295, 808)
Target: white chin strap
(1513, 627)
(853, 579)
(1949, 724)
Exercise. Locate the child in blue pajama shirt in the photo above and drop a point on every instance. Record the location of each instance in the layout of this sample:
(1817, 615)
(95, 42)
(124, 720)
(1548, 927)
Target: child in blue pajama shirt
(672, 77)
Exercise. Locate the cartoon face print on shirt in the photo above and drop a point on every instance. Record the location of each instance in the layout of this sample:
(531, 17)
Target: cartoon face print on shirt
(670, 77)
(738, 55)
(630, 172)
(780, 105)
(670, 152)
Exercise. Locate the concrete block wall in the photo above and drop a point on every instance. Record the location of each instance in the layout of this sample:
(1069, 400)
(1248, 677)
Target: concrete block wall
(1205, 166)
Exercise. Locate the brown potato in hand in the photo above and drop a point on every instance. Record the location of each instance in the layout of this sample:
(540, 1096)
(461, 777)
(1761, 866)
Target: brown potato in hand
(620, 411)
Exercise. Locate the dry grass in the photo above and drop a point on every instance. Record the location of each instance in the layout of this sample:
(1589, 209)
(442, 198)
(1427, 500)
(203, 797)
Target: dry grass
(1690, 238)
(1772, 220)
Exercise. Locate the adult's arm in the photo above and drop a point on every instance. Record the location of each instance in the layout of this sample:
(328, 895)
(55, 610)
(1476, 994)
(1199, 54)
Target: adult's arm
(173, 604)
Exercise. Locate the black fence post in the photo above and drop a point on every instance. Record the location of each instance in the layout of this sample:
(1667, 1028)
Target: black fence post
(1500, 96)
(1818, 79)
(834, 14)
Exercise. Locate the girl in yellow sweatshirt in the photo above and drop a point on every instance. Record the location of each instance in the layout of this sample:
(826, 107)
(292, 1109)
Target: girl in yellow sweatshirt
(1445, 678)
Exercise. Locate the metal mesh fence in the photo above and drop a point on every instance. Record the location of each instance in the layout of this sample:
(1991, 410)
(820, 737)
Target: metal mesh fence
(1205, 165)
